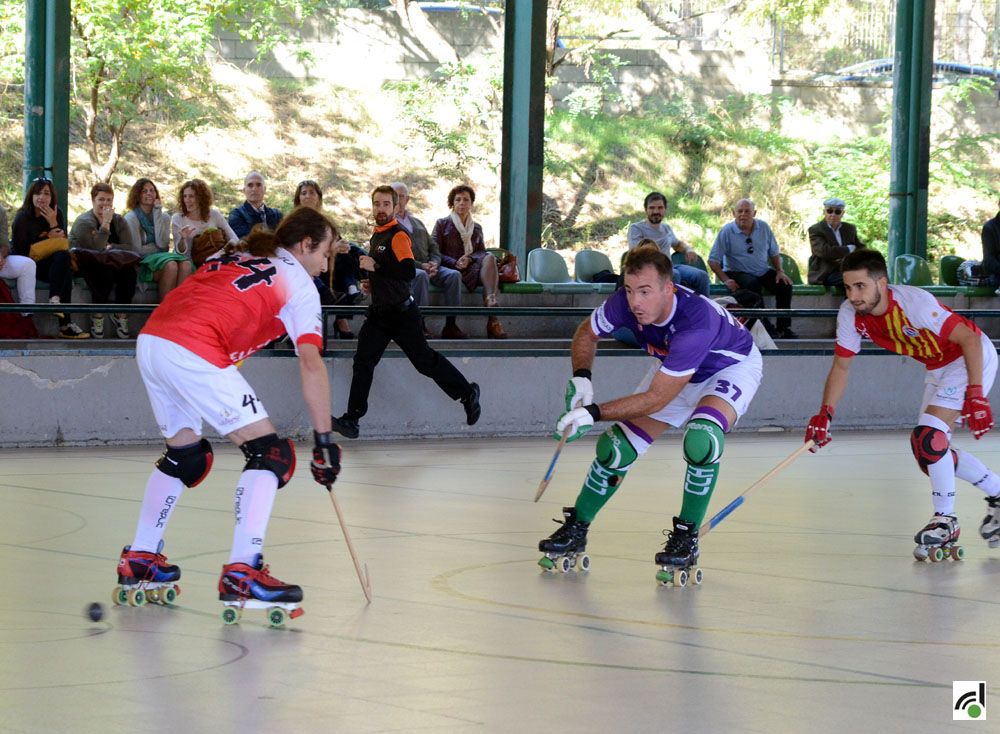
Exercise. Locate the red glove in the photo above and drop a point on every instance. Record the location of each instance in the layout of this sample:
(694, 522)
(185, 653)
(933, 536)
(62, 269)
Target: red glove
(976, 411)
(819, 428)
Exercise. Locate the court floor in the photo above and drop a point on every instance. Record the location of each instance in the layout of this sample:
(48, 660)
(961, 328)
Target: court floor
(813, 615)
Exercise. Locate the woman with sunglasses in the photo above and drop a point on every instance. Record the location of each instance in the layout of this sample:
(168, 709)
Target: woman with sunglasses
(832, 240)
(40, 219)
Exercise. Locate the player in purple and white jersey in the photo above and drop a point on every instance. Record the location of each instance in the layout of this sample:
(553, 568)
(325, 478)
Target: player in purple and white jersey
(709, 373)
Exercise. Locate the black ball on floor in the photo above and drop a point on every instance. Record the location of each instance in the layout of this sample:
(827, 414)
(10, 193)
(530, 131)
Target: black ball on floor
(96, 612)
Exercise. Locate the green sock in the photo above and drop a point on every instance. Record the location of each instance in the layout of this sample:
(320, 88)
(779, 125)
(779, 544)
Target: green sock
(601, 483)
(699, 482)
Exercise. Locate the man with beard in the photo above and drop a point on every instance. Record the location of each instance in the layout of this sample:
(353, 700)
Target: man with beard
(961, 365)
(393, 316)
(654, 228)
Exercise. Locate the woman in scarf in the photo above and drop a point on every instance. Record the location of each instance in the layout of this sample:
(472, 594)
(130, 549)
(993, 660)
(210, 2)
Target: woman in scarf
(150, 227)
(460, 239)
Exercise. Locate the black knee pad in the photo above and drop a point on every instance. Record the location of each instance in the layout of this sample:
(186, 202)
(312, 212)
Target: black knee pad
(929, 446)
(273, 454)
(190, 464)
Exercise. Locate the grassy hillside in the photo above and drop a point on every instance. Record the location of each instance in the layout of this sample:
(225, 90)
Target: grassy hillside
(598, 168)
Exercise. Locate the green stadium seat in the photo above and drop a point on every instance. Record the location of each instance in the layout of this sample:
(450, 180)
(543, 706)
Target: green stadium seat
(589, 262)
(948, 269)
(678, 258)
(791, 269)
(911, 270)
(548, 268)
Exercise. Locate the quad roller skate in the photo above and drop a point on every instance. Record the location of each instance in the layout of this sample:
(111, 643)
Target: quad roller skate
(145, 577)
(242, 586)
(939, 540)
(990, 529)
(564, 549)
(680, 554)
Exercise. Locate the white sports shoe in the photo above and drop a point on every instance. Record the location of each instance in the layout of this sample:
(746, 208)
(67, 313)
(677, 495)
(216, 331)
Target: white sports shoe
(120, 322)
(97, 327)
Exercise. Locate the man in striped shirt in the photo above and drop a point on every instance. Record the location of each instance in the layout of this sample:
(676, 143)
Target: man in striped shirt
(961, 366)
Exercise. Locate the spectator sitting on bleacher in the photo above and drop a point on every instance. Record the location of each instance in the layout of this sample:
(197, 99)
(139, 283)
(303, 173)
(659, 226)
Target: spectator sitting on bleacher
(39, 220)
(460, 240)
(99, 229)
(149, 227)
(654, 228)
(16, 267)
(831, 240)
(991, 251)
(745, 255)
(194, 215)
(253, 211)
(427, 257)
(339, 286)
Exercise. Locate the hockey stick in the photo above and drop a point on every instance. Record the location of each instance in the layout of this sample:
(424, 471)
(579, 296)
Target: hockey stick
(724, 512)
(552, 466)
(366, 584)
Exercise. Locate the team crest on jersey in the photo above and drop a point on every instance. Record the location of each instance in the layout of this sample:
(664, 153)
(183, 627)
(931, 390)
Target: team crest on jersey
(910, 331)
(658, 351)
(863, 331)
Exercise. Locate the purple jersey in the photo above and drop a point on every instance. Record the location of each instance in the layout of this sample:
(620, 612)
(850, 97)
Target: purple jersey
(698, 338)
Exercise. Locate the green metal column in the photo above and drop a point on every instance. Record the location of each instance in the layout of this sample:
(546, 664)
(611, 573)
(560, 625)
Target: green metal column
(57, 91)
(523, 147)
(34, 91)
(911, 103)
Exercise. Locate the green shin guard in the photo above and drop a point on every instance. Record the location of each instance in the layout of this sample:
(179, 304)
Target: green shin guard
(704, 441)
(615, 454)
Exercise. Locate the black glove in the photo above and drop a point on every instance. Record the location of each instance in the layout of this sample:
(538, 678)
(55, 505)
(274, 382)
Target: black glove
(325, 463)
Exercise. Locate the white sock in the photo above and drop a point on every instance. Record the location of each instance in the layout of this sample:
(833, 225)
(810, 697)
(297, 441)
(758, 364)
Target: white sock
(158, 503)
(941, 473)
(976, 473)
(253, 502)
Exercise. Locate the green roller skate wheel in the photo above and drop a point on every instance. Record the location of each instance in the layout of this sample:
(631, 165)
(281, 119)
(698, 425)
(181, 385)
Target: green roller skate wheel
(547, 563)
(230, 615)
(168, 595)
(957, 553)
(119, 596)
(136, 597)
(276, 616)
(665, 577)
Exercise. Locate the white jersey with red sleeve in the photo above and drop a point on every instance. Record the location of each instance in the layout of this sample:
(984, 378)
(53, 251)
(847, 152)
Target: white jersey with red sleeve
(915, 325)
(234, 305)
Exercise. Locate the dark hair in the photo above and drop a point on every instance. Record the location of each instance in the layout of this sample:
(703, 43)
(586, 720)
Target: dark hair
(35, 187)
(461, 188)
(202, 197)
(100, 188)
(866, 259)
(643, 255)
(654, 196)
(301, 223)
(302, 184)
(386, 189)
(135, 193)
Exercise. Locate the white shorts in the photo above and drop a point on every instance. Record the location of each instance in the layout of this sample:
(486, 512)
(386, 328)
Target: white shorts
(736, 384)
(185, 389)
(945, 386)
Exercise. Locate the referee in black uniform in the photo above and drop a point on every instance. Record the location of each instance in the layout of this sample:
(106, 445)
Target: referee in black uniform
(393, 316)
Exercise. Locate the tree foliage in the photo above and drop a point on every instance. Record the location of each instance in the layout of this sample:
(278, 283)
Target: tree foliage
(150, 59)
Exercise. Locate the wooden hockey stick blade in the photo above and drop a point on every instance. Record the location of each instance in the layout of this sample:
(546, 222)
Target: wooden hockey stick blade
(363, 578)
(552, 465)
(725, 511)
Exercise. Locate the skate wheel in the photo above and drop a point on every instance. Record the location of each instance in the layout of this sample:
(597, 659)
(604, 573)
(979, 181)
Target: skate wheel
(697, 576)
(153, 596)
(565, 564)
(584, 562)
(119, 596)
(546, 563)
(230, 615)
(665, 577)
(169, 595)
(276, 616)
(681, 579)
(957, 553)
(136, 597)
(936, 555)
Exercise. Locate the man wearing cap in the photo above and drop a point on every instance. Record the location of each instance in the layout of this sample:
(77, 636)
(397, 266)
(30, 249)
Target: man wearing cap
(831, 240)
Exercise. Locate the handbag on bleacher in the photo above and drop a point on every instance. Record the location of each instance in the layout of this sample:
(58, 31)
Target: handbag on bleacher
(970, 273)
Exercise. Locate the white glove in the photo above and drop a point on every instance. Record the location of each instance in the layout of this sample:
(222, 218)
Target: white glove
(578, 420)
(579, 392)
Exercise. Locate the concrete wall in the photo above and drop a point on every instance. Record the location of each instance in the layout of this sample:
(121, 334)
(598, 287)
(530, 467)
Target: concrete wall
(78, 398)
